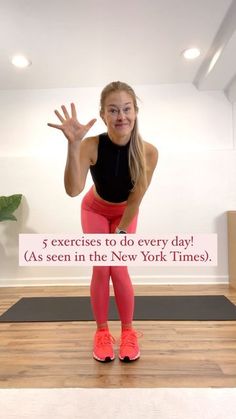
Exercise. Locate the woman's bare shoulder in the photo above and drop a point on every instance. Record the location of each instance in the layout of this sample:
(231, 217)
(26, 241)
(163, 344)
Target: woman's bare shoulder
(90, 141)
(151, 152)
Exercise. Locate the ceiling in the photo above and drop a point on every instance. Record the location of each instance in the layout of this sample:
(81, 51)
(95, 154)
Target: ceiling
(81, 43)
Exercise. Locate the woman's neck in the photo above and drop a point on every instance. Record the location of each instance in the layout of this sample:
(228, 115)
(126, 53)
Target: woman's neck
(119, 139)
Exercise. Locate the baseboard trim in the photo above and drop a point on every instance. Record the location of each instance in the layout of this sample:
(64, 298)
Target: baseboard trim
(137, 280)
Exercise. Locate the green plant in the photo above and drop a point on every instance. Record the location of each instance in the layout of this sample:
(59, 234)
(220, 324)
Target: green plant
(8, 204)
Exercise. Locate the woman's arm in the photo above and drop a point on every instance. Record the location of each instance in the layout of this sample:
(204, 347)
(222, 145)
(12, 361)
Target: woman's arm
(81, 154)
(136, 196)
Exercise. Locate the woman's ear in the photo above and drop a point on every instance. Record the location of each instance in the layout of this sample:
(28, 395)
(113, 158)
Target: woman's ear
(101, 115)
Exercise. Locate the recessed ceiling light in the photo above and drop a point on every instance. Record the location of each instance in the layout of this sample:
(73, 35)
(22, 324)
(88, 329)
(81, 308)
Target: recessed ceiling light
(191, 53)
(20, 61)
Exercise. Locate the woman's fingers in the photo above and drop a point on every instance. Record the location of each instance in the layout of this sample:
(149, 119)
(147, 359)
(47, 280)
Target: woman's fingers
(67, 116)
(70, 125)
(55, 126)
(59, 116)
(73, 110)
(65, 112)
(91, 123)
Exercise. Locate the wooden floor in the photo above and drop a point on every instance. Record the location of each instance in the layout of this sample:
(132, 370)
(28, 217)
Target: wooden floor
(173, 354)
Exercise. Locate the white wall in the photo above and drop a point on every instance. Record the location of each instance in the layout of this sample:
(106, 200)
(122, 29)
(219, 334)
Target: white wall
(192, 188)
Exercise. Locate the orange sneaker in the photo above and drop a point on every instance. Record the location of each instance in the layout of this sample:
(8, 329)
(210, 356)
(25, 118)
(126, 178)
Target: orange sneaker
(103, 346)
(129, 348)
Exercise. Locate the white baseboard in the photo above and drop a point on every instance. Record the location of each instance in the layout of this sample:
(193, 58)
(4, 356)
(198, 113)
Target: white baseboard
(137, 280)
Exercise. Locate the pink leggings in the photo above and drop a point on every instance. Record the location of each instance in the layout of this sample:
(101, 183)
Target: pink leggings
(98, 216)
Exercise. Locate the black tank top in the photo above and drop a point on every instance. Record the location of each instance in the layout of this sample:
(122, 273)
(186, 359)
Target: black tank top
(111, 173)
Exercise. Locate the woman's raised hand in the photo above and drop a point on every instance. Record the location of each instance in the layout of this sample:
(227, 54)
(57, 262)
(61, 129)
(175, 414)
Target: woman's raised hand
(70, 126)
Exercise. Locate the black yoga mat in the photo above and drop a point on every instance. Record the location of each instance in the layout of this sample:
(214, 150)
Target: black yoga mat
(62, 309)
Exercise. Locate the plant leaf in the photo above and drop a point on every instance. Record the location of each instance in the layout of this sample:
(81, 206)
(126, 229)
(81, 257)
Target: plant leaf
(8, 217)
(8, 204)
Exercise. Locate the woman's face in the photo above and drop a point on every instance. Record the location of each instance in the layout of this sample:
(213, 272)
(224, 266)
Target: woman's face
(119, 116)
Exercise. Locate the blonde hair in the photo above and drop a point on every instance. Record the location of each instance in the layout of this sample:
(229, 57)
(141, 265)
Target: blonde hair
(136, 149)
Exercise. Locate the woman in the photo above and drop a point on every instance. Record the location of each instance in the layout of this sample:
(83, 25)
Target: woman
(121, 165)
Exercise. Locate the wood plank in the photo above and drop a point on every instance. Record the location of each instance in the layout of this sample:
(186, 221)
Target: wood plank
(173, 354)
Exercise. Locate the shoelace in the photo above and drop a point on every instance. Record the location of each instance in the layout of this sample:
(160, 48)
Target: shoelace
(104, 339)
(129, 338)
